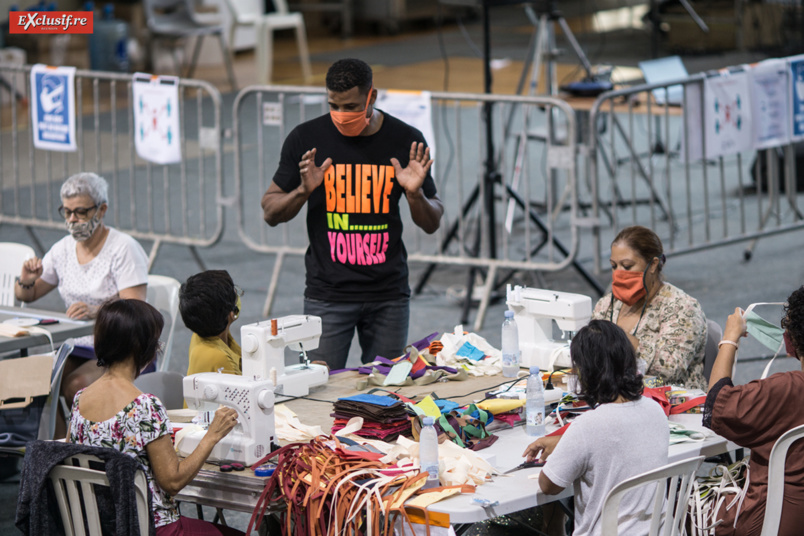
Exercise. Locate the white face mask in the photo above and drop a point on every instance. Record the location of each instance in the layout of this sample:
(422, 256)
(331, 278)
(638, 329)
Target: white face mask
(82, 230)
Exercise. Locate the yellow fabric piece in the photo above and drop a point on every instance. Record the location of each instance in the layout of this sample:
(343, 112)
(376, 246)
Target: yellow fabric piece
(500, 405)
(429, 407)
(209, 354)
(426, 499)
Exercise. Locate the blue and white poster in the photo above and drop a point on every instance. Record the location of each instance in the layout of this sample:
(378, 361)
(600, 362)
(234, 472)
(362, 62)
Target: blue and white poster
(797, 96)
(53, 107)
(769, 102)
(157, 134)
(727, 114)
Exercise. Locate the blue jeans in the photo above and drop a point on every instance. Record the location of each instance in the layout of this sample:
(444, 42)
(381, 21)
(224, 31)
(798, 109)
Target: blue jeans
(382, 329)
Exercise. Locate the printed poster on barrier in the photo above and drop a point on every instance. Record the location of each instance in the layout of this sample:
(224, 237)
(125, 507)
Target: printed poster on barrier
(53, 107)
(797, 96)
(156, 118)
(414, 108)
(727, 114)
(769, 104)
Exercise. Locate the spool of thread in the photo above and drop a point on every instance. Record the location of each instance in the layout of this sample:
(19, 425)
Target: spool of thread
(274, 327)
(264, 470)
(238, 466)
(273, 375)
(226, 468)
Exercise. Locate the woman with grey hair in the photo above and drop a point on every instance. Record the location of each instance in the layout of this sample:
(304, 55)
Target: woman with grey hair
(89, 266)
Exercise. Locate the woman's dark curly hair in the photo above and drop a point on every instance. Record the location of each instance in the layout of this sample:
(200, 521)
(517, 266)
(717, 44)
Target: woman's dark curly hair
(605, 362)
(793, 321)
(127, 329)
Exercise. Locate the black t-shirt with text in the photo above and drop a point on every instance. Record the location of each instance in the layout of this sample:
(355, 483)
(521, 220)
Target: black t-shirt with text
(353, 223)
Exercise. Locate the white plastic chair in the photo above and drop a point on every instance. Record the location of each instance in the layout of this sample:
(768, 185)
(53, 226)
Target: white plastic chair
(778, 456)
(12, 255)
(76, 507)
(165, 385)
(248, 12)
(175, 20)
(163, 294)
(678, 495)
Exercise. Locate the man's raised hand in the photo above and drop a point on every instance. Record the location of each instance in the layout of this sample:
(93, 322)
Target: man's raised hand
(412, 177)
(311, 175)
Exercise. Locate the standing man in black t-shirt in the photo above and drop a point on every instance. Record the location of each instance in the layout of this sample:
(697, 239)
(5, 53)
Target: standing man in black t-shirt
(351, 167)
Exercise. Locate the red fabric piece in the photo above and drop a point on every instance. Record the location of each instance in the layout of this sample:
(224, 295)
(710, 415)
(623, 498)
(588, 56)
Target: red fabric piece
(508, 418)
(659, 395)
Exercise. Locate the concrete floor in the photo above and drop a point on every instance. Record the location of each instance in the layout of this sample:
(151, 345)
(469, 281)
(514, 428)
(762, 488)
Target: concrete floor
(719, 278)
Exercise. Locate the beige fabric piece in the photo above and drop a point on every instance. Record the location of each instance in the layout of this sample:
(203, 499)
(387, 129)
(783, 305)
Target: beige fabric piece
(290, 428)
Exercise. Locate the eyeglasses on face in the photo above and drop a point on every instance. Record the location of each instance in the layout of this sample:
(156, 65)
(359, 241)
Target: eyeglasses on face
(238, 290)
(82, 213)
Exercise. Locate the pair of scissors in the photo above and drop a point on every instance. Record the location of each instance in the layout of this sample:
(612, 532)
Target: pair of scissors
(525, 465)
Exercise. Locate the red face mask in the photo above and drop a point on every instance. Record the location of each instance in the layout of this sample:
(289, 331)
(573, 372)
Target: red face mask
(788, 346)
(628, 286)
(352, 123)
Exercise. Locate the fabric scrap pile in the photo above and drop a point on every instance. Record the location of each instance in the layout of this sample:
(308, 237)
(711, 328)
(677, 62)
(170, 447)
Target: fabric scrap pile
(383, 417)
(328, 489)
(470, 352)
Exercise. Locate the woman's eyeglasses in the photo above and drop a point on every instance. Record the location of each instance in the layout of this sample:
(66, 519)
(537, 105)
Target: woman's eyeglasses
(238, 290)
(82, 213)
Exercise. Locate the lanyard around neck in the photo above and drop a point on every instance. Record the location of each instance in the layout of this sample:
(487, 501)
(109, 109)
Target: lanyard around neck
(611, 313)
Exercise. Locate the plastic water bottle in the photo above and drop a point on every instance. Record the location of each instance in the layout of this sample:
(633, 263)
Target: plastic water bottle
(428, 453)
(108, 45)
(510, 346)
(534, 405)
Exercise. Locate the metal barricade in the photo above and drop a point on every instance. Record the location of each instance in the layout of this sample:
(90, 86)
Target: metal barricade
(641, 171)
(535, 195)
(178, 203)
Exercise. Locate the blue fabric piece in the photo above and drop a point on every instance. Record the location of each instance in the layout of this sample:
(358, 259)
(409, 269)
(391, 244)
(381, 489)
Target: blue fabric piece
(476, 415)
(377, 400)
(470, 352)
(446, 405)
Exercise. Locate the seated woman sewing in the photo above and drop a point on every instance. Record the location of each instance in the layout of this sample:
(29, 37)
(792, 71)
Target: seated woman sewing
(754, 416)
(113, 413)
(666, 326)
(209, 303)
(625, 435)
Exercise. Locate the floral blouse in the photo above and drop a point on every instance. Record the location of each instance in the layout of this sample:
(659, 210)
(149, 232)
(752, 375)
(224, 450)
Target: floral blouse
(142, 421)
(671, 333)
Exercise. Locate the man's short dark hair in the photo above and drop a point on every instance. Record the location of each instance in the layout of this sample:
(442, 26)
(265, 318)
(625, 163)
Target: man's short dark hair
(205, 301)
(605, 361)
(127, 328)
(345, 74)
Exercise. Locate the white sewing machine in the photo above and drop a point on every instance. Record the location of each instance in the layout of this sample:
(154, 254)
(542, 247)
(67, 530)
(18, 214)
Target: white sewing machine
(263, 345)
(251, 438)
(534, 311)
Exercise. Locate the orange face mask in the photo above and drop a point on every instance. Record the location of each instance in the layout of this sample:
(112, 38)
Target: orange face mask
(627, 286)
(352, 123)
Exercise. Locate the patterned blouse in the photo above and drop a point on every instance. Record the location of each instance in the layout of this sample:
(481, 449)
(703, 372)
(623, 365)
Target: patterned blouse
(142, 421)
(671, 333)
